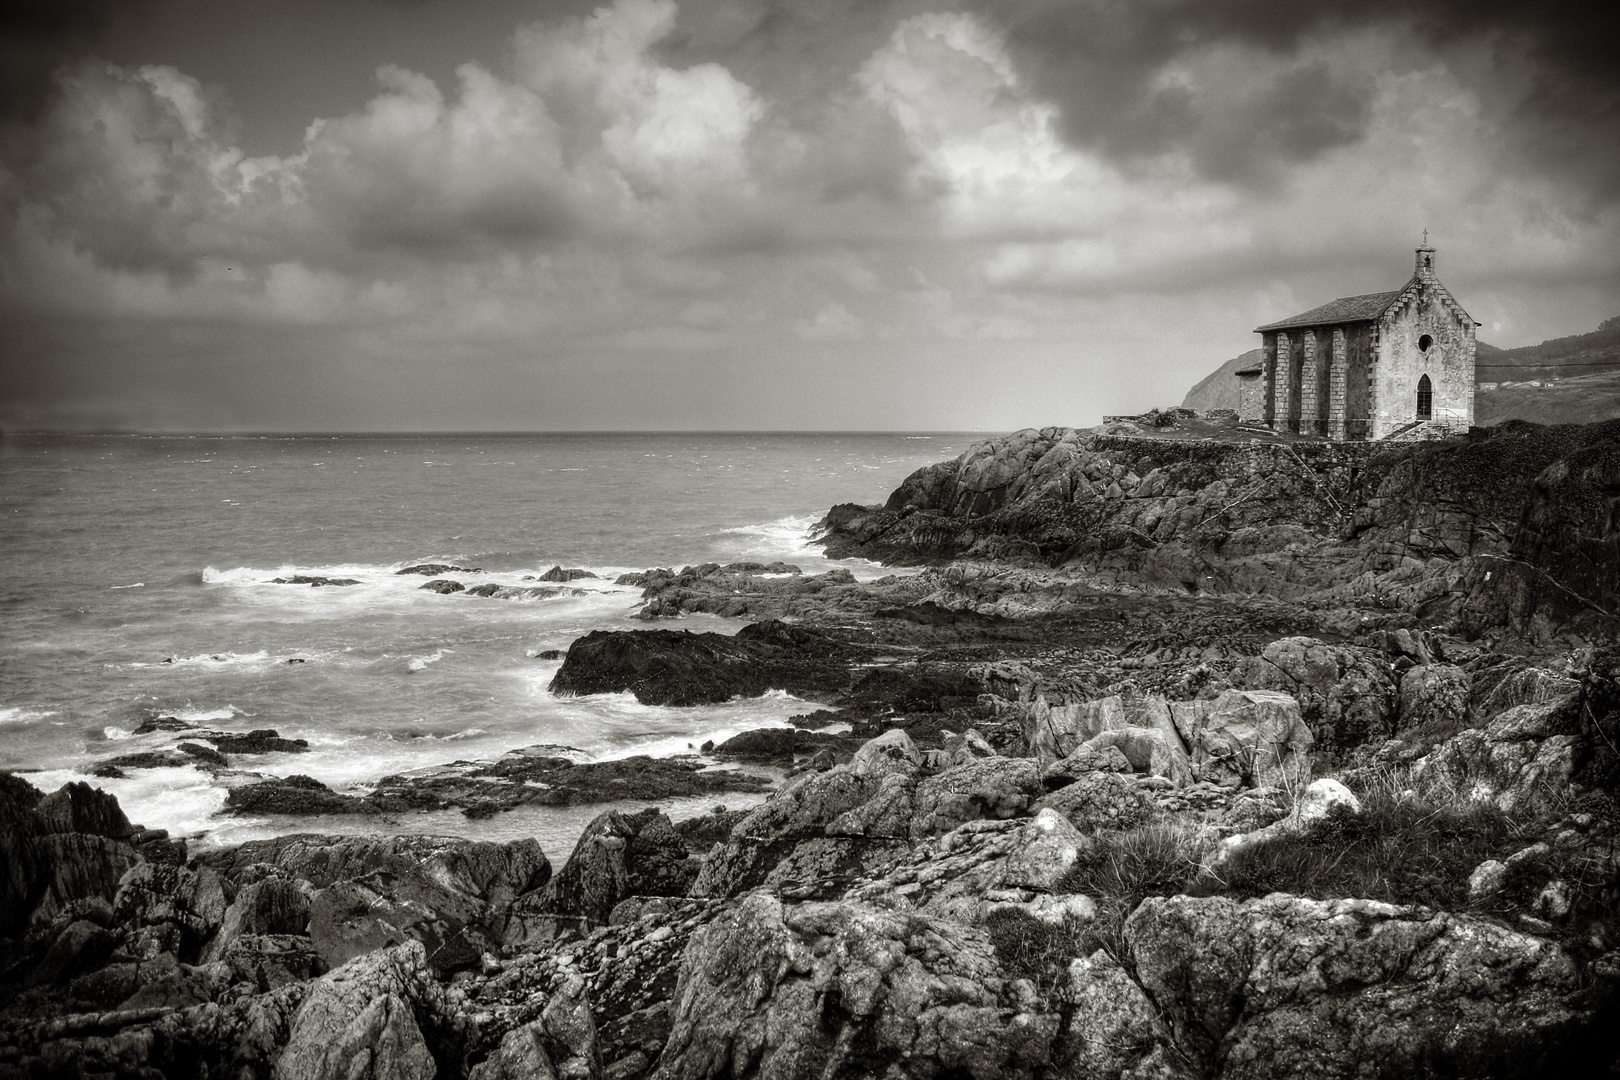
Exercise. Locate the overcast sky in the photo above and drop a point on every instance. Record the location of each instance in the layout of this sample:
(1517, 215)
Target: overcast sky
(763, 214)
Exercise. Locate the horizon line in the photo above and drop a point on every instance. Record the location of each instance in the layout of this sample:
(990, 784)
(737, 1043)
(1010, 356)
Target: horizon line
(462, 434)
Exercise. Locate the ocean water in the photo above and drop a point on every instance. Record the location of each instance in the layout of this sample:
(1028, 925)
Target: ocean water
(137, 584)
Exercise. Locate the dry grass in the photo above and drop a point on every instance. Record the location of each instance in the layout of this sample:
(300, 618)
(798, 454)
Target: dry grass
(1124, 868)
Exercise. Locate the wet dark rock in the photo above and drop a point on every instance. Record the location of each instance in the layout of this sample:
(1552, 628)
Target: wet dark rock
(435, 569)
(780, 745)
(259, 741)
(515, 592)
(734, 593)
(161, 723)
(296, 794)
(557, 573)
(929, 613)
(549, 654)
(677, 667)
(443, 586)
(315, 581)
(205, 754)
(520, 779)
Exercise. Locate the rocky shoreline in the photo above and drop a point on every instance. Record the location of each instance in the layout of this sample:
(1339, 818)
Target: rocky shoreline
(1185, 758)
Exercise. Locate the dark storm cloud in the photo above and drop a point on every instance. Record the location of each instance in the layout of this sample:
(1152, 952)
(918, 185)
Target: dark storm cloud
(37, 37)
(1101, 61)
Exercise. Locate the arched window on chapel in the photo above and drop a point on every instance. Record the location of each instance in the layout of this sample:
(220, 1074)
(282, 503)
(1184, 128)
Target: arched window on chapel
(1425, 409)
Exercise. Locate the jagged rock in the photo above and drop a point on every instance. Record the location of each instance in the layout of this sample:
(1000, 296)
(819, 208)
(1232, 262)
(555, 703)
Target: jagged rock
(1435, 695)
(271, 961)
(1100, 800)
(966, 747)
(617, 856)
(443, 586)
(1246, 737)
(453, 895)
(1289, 986)
(803, 809)
(994, 788)
(891, 752)
(79, 808)
(1114, 1028)
(1522, 760)
(1346, 695)
(1047, 847)
(159, 895)
(670, 667)
(843, 989)
(273, 905)
(1147, 750)
(888, 813)
(570, 1032)
(1054, 732)
(435, 569)
(315, 581)
(358, 1022)
(1086, 759)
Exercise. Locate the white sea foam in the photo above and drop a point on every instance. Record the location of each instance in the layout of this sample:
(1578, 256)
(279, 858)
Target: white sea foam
(16, 714)
(116, 734)
(789, 535)
(181, 799)
(220, 659)
(203, 716)
(137, 585)
(419, 663)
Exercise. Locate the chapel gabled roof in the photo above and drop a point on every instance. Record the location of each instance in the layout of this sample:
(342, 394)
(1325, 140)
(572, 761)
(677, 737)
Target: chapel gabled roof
(1346, 309)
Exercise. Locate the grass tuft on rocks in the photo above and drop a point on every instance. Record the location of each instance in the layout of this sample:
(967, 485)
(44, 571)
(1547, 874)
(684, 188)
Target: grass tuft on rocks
(1034, 949)
(1124, 868)
(1403, 848)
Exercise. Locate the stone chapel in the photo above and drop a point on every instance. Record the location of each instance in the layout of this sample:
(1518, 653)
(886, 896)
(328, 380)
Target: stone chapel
(1385, 365)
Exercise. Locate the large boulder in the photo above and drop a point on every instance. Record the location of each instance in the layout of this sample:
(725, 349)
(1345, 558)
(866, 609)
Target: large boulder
(359, 1022)
(1101, 800)
(1286, 986)
(845, 989)
(1147, 750)
(1434, 695)
(1347, 695)
(617, 856)
(1523, 760)
(994, 788)
(891, 752)
(678, 667)
(803, 809)
(1053, 732)
(455, 896)
(1255, 738)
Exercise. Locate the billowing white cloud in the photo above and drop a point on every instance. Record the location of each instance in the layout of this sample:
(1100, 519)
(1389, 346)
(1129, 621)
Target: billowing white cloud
(596, 203)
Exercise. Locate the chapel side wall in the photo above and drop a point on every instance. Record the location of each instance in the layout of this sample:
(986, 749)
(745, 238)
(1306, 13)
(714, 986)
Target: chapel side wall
(1296, 364)
(1358, 344)
(1268, 377)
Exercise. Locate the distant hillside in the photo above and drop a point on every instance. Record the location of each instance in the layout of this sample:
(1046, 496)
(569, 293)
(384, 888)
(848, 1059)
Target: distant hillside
(1576, 355)
(1218, 389)
(1567, 380)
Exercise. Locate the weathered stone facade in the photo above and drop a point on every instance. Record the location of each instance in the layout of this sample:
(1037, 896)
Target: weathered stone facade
(1384, 365)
